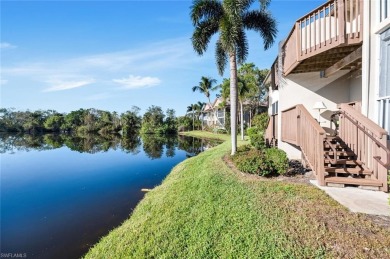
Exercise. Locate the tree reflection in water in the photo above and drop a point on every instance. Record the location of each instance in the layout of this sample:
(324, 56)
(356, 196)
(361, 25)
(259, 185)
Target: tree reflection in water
(153, 145)
(194, 146)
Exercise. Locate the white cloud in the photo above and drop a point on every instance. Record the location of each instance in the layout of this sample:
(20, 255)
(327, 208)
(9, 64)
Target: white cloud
(3, 82)
(58, 85)
(107, 69)
(135, 82)
(6, 45)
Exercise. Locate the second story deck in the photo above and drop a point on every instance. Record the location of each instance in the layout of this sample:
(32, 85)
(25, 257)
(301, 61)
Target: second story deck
(327, 39)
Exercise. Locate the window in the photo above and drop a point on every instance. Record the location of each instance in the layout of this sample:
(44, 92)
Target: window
(384, 86)
(274, 108)
(384, 82)
(384, 9)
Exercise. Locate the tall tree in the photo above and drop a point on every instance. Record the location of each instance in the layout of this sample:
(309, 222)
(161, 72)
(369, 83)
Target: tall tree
(253, 77)
(192, 108)
(242, 91)
(230, 18)
(131, 121)
(205, 86)
(200, 106)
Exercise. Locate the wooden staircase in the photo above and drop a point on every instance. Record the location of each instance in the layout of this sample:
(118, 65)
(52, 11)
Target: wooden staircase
(342, 168)
(358, 156)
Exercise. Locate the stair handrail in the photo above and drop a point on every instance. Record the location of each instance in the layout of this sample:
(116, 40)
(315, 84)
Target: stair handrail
(368, 124)
(271, 130)
(309, 136)
(369, 128)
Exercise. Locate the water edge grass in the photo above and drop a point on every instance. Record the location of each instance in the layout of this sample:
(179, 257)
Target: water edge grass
(203, 209)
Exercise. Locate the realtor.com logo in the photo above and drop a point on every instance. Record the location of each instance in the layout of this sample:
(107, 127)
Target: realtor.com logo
(13, 255)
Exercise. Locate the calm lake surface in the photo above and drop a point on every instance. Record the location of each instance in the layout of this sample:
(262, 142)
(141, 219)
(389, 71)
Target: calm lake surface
(60, 194)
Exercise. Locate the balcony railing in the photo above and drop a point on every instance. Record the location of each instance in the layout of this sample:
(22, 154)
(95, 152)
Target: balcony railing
(335, 23)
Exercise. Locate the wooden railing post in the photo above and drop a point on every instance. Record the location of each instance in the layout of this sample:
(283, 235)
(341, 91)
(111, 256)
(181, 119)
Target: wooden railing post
(320, 159)
(342, 18)
(298, 31)
(298, 137)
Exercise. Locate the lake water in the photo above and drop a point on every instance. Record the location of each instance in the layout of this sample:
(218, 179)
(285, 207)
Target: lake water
(60, 194)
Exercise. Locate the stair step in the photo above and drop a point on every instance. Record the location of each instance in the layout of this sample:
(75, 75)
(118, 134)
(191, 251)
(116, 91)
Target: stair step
(344, 162)
(356, 170)
(326, 145)
(332, 138)
(353, 181)
(340, 153)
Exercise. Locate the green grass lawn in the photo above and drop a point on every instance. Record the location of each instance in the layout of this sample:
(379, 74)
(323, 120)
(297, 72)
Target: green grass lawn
(204, 209)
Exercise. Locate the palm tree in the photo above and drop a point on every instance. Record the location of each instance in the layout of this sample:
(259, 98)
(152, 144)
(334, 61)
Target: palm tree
(206, 85)
(192, 108)
(243, 90)
(230, 18)
(199, 106)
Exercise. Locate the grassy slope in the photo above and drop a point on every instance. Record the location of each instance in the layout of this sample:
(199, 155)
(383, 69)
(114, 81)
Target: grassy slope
(205, 210)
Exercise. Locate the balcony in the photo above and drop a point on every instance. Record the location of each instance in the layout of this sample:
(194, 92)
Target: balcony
(327, 39)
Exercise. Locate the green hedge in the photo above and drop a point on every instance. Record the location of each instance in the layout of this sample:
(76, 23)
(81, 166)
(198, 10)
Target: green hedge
(265, 162)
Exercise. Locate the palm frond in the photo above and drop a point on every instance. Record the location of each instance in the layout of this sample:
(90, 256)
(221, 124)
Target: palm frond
(227, 35)
(241, 47)
(244, 5)
(202, 35)
(197, 88)
(262, 22)
(204, 10)
(264, 4)
(221, 57)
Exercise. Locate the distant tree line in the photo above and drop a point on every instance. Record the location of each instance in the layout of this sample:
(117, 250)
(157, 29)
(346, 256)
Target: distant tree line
(82, 121)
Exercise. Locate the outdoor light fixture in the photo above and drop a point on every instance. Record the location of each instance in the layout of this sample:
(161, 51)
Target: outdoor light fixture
(319, 106)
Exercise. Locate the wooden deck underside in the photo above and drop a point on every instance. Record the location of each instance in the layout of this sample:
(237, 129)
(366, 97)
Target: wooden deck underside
(328, 58)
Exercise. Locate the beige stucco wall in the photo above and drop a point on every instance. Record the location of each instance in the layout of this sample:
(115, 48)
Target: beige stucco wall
(355, 89)
(309, 88)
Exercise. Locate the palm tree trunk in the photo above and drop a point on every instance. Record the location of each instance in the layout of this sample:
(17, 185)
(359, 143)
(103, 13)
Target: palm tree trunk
(233, 101)
(193, 121)
(212, 108)
(242, 120)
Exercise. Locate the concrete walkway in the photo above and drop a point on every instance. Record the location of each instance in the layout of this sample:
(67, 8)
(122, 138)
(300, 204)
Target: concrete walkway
(358, 200)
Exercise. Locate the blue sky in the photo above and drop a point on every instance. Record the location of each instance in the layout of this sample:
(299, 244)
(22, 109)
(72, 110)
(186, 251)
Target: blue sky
(111, 55)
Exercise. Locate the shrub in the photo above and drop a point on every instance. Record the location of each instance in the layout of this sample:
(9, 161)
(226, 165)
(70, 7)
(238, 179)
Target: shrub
(244, 148)
(278, 159)
(252, 162)
(257, 138)
(256, 132)
(262, 162)
(260, 121)
(251, 131)
(227, 122)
